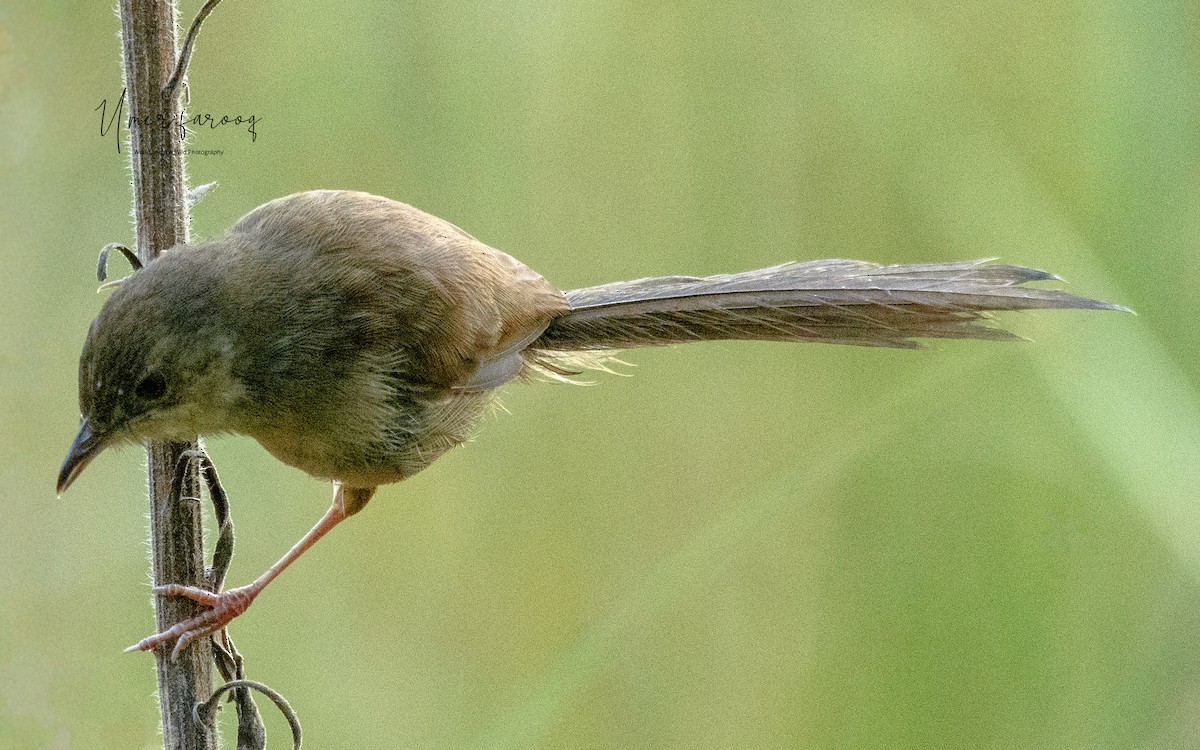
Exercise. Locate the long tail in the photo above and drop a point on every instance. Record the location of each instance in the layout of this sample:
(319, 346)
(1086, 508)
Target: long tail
(835, 301)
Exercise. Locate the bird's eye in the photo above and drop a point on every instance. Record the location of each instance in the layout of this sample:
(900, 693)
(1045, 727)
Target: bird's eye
(151, 388)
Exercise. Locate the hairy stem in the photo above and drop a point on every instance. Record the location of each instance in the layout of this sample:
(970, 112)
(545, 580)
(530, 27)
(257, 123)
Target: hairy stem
(160, 210)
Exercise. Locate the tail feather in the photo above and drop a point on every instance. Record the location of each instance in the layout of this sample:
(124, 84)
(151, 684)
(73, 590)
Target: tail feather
(835, 301)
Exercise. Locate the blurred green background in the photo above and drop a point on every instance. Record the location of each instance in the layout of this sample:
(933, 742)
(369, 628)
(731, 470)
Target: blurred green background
(743, 545)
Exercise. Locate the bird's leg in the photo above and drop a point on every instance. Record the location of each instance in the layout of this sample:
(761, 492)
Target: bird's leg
(227, 605)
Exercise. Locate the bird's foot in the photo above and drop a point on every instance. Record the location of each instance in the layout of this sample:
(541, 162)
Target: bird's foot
(224, 607)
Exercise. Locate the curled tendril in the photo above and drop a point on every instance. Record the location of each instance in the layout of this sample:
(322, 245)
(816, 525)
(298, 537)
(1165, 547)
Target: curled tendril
(185, 56)
(206, 712)
(102, 263)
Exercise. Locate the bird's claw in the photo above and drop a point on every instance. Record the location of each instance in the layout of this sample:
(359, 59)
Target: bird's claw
(223, 608)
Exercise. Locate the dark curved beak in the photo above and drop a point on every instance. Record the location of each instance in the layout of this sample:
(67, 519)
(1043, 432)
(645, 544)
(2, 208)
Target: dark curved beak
(87, 446)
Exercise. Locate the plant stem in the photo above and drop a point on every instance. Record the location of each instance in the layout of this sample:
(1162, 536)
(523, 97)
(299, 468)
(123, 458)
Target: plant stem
(176, 544)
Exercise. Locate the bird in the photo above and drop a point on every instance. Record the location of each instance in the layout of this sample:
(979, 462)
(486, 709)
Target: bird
(358, 338)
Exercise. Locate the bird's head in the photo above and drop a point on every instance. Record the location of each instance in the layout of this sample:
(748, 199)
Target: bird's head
(156, 365)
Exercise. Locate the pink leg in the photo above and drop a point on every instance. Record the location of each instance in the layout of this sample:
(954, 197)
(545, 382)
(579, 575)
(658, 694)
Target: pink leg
(227, 605)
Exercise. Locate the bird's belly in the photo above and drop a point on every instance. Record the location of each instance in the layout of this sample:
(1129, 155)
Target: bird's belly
(312, 459)
(426, 431)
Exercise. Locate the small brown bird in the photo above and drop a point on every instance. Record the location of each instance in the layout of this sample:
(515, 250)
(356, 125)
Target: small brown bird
(358, 339)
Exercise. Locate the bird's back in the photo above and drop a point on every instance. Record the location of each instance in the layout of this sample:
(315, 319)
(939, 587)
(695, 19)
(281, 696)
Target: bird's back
(411, 321)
